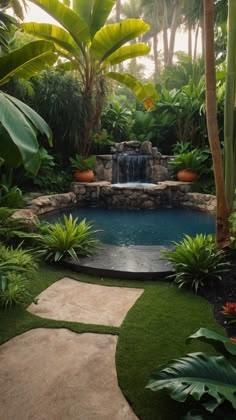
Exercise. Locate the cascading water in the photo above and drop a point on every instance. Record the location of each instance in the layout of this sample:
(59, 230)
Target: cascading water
(131, 168)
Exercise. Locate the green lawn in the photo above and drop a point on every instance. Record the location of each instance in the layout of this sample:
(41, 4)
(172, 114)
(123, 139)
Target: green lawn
(153, 332)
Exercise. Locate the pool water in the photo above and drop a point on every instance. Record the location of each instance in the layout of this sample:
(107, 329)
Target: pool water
(144, 227)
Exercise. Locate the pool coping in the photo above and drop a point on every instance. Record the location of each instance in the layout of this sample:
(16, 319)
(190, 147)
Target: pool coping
(134, 262)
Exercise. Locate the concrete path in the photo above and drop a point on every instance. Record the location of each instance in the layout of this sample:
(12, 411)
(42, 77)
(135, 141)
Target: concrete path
(70, 300)
(56, 374)
(59, 375)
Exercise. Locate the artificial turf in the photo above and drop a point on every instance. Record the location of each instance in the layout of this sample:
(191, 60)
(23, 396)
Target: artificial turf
(153, 332)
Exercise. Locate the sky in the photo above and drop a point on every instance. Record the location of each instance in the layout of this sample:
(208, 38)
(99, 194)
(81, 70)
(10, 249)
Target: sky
(36, 14)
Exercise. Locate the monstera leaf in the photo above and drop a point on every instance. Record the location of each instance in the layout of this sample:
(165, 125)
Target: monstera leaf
(197, 374)
(221, 344)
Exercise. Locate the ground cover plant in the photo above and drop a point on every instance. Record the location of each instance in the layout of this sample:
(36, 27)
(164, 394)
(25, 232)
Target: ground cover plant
(17, 269)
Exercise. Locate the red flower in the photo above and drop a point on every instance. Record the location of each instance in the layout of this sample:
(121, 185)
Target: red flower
(229, 309)
(233, 339)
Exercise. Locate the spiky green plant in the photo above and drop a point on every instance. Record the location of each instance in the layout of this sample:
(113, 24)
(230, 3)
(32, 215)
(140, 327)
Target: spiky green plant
(70, 238)
(196, 261)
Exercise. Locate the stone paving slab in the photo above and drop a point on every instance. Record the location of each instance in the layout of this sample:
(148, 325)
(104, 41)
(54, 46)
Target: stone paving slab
(70, 300)
(48, 374)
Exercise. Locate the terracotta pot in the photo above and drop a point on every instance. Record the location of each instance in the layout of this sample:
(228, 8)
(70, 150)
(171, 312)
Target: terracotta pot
(187, 175)
(85, 176)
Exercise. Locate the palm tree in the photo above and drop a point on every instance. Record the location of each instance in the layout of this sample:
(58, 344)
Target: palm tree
(19, 7)
(91, 47)
(222, 228)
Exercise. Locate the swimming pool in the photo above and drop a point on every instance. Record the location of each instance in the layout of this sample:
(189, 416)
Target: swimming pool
(143, 227)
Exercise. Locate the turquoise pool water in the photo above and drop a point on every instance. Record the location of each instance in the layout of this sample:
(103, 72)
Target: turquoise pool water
(144, 227)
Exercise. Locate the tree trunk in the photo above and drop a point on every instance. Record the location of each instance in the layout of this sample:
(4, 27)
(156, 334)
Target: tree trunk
(165, 34)
(190, 50)
(222, 227)
(155, 54)
(173, 29)
(196, 41)
(118, 10)
(230, 91)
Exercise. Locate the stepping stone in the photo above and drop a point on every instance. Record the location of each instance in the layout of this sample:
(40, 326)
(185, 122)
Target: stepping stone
(60, 375)
(70, 300)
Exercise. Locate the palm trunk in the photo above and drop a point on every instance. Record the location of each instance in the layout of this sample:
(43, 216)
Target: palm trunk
(230, 91)
(190, 50)
(118, 10)
(222, 227)
(165, 34)
(173, 29)
(196, 41)
(155, 46)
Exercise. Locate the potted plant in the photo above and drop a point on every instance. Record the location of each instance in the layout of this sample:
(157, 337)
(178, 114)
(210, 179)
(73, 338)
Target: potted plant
(188, 166)
(83, 167)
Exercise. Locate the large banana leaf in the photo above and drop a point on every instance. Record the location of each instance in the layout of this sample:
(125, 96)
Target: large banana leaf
(111, 37)
(67, 18)
(141, 91)
(18, 134)
(94, 12)
(197, 374)
(53, 33)
(222, 344)
(127, 52)
(27, 60)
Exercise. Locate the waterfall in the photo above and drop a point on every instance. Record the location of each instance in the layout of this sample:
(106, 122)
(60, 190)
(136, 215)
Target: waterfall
(131, 168)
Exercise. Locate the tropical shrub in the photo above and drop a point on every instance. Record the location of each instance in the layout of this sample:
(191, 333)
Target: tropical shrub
(193, 160)
(11, 196)
(68, 239)
(156, 125)
(182, 147)
(14, 289)
(117, 120)
(102, 142)
(17, 267)
(196, 262)
(83, 164)
(211, 380)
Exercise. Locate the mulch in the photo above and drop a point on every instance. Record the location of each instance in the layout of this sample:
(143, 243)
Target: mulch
(223, 291)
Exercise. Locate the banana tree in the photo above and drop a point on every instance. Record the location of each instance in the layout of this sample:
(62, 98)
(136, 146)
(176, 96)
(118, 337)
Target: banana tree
(19, 124)
(91, 47)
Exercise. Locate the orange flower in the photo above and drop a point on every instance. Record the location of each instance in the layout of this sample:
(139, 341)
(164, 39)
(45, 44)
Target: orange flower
(148, 103)
(233, 339)
(229, 309)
